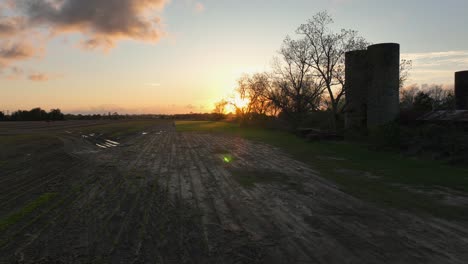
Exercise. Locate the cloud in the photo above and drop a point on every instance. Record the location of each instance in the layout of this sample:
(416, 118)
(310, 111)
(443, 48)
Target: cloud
(102, 22)
(10, 26)
(199, 7)
(446, 59)
(15, 73)
(38, 77)
(16, 51)
(436, 67)
(434, 55)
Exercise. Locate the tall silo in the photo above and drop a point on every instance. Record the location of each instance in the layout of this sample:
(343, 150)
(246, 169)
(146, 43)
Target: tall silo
(461, 90)
(384, 82)
(356, 89)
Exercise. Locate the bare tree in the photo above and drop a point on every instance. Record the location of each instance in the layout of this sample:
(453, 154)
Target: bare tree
(295, 89)
(439, 95)
(405, 68)
(407, 95)
(430, 96)
(326, 55)
(220, 107)
(255, 90)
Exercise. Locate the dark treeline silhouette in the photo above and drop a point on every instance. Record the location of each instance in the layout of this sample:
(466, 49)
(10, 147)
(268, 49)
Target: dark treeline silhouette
(116, 116)
(35, 114)
(200, 116)
(38, 114)
(416, 100)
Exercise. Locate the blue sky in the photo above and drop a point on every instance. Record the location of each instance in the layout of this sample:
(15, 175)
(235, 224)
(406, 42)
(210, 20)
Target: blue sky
(204, 46)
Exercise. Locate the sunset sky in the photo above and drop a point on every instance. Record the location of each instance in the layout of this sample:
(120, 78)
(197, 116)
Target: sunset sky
(159, 56)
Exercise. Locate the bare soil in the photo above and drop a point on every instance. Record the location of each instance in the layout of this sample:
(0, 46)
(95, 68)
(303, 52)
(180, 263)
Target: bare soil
(171, 197)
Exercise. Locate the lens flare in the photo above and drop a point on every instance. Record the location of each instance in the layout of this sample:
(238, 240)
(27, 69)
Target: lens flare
(227, 158)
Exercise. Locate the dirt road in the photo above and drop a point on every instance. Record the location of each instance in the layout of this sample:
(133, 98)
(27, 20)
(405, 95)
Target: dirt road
(169, 197)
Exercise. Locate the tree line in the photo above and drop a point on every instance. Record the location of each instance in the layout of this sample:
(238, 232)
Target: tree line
(38, 114)
(35, 114)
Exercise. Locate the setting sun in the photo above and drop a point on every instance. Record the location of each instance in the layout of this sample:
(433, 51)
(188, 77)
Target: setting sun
(236, 103)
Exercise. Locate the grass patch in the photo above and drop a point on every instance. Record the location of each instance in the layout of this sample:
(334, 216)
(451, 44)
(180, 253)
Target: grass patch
(392, 169)
(26, 210)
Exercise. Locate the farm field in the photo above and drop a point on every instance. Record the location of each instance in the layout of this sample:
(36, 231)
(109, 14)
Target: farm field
(155, 191)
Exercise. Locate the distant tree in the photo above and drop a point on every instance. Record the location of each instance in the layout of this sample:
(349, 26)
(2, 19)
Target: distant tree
(220, 107)
(256, 89)
(326, 55)
(441, 98)
(56, 114)
(36, 114)
(448, 102)
(2, 116)
(423, 102)
(407, 96)
(428, 97)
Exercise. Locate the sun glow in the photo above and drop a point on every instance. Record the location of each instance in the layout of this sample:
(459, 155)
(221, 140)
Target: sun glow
(236, 102)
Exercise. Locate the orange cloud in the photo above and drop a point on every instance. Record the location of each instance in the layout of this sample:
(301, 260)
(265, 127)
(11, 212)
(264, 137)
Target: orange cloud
(38, 77)
(10, 26)
(103, 22)
(16, 51)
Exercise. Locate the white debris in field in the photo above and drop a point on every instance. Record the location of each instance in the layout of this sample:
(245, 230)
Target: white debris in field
(144, 133)
(101, 146)
(113, 142)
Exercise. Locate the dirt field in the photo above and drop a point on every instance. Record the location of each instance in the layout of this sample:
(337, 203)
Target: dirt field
(161, 196)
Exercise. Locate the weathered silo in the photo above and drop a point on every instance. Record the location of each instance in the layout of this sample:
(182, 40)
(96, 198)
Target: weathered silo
(384, 81)
(356, 89)
(461, 90)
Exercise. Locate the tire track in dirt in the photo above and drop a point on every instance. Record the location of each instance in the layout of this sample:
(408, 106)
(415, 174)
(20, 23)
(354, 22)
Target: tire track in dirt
(142, 193)
(23, 185)
(169, 198)
(70, 201)
(338, 220)
(240, 203)
(230, 232)
(118, 206)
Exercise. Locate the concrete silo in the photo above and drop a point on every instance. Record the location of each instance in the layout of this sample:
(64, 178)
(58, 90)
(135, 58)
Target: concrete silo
(356, 71)
(384, 83)
(461, 90)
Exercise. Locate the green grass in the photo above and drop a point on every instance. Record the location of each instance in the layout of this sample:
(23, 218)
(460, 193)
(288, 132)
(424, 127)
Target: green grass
(25, 211)
(347, 163)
